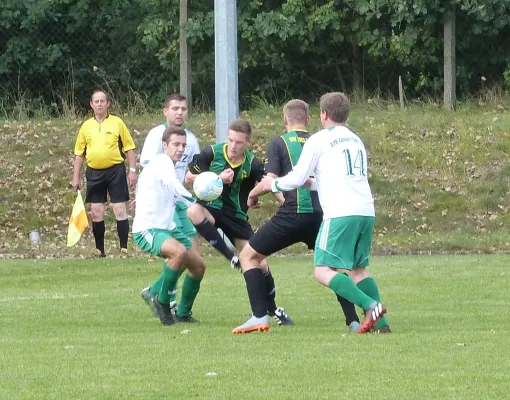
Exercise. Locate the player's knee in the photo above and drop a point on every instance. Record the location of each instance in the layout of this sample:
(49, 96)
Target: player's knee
(195, 213)
(249, 257)
(97, 211)
(175, 256)
(119, 209)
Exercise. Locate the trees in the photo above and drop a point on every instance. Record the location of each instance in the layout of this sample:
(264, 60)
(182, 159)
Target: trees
(57, 49)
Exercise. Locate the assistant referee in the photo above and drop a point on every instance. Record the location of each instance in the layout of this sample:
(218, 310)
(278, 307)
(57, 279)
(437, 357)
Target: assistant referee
(104, 142)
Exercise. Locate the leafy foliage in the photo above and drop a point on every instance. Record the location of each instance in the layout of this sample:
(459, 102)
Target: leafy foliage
(63, 48)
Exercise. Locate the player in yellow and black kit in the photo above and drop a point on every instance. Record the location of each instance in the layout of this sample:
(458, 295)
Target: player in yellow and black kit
(104, 142)
(297, 220)
(240, 171)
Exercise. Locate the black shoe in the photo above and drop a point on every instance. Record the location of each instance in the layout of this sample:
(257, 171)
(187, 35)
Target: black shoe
(282, 317)
(189, 319)
(164, 312)
(98, 254)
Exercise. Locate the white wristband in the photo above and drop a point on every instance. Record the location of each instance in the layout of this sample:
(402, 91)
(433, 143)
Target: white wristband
(132, 169)
(273, 186)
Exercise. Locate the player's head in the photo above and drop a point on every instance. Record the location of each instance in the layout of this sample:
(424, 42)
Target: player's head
(174, 142)
(334, 108)
(175, 109)
(99, 102)
(295, 113)
(239, 137)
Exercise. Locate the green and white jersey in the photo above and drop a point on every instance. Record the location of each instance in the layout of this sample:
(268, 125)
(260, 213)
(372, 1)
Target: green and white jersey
(157, 192)
(153, 145)
(338, 160)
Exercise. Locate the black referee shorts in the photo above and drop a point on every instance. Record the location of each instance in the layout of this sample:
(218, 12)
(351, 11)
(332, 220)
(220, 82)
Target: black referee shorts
(111, 180)
(233, 227)
(284, 230)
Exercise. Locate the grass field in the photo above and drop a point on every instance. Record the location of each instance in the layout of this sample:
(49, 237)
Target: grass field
(77, 329)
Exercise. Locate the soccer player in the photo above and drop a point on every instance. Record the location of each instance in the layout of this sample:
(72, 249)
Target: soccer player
(155, 231)
(240, 171)
(338, 159)
(104, 141)
(175, 110)
(297, 220)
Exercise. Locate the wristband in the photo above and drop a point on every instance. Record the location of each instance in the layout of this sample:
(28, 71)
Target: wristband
(132, 169)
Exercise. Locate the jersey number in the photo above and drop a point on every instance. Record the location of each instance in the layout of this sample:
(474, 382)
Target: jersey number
(356, 168)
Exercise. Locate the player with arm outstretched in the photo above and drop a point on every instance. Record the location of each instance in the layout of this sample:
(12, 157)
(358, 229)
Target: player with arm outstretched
(337, 158)
(297, 220)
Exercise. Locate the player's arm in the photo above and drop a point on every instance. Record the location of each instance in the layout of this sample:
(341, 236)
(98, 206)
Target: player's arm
(301, 171)
(200, 163)
(80, 147)
(150, 148)
(166, 174)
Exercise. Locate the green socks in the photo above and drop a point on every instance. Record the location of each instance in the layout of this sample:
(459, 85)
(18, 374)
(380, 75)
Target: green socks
(156, 287)
(190, 288)
(169, 280)
(342, 285)
(369, 287)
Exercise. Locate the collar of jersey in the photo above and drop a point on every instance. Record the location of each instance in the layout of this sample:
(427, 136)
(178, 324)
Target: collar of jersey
(105, 118)
(232, 165)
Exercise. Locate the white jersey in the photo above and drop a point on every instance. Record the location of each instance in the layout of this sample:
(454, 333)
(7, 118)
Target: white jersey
(338, 160)
(153, 145)
(157, 191)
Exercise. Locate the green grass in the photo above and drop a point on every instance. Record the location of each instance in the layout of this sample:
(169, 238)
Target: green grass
(77, 329)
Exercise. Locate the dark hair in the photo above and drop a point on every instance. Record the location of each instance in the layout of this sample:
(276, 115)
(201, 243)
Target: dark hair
(336, 105)
(172, 130)
(241, 125)
(173, 96)
(108, 98)
(296, 111)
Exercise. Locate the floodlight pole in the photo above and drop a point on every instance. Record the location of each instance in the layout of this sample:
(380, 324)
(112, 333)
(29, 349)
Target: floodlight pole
(225, 66)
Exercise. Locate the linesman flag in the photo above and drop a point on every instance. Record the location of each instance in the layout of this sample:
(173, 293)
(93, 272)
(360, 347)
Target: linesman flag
(78, 221)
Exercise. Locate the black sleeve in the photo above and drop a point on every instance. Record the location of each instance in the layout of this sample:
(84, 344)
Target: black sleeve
(201, 161)
(257, 169)
(273, 155)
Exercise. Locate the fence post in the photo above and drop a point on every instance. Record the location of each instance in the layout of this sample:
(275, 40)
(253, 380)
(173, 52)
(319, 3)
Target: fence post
(449, 59)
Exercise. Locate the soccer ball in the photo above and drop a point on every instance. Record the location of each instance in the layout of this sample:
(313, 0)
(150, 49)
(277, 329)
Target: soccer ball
(208, 186)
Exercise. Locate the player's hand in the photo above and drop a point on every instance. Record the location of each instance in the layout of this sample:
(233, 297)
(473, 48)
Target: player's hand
(308, 183)
(253, 202)
(132, 179)
(76, 184)
(266, 183)
(132, 205)
(227, 176)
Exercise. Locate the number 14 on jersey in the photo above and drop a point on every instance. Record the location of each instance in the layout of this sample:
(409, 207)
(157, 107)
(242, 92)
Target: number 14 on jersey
(358, 166)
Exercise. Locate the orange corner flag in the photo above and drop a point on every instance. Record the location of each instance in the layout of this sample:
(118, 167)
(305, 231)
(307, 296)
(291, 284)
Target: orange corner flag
(78, 221)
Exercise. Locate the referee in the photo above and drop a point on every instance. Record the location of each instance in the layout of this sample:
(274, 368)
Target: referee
(105, 142)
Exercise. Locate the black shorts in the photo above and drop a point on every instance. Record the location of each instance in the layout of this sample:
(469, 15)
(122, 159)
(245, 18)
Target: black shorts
(285, 229)
(111, 180)
(233, 227)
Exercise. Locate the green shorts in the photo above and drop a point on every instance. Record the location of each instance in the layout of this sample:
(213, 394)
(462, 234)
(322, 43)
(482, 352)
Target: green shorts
(151, 240)
(182, 221)
(344, 242)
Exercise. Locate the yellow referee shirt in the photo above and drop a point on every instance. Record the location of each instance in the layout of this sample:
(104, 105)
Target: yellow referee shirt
(103, 144)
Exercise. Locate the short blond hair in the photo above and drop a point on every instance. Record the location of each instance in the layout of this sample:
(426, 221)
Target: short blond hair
(336, 105)
(296, 111)
(240, 125)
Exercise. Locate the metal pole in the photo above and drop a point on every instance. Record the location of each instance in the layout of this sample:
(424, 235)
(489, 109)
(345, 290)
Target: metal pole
(225, 66)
